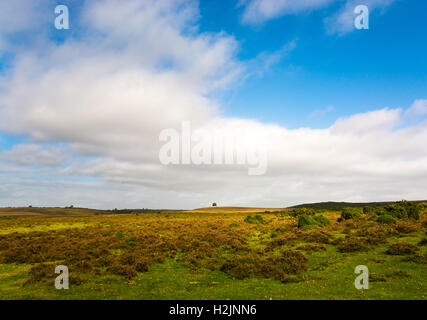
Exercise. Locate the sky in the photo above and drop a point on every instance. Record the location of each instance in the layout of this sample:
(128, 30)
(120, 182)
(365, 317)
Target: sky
(339, 113)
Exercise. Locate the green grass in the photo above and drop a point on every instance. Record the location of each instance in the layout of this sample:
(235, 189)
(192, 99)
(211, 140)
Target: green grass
(171, 280)
(330, 273)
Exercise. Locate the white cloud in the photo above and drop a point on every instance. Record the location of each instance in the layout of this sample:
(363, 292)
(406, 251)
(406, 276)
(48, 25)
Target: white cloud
(373, 121)
(32, 154)
(110, 93)
(418, 108)
(258, 11)
(23, 15)
(342, 22)
(265, 61)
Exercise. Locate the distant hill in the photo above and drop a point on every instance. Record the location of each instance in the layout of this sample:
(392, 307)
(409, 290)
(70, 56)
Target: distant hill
(331, 205)
(54, 211)
(67, 211)
(235, 210)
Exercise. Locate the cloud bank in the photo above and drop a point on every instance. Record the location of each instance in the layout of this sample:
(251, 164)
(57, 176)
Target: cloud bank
(143, 66)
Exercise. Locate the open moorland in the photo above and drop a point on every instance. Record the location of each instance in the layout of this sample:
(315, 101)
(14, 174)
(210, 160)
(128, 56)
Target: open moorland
(215, 253)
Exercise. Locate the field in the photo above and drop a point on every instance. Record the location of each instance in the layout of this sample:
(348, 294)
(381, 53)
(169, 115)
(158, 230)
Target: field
(209, 253)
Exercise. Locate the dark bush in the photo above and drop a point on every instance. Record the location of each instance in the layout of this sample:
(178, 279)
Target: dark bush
(277, 267)
(312, 247)
(367, 210)
(318, 237)
(402, 248)
(294, 261)
(306, 220)
(322, 220)
(300, 211)
(407, 226)
(123, 270)
(416, 258)
(403, 210)
(386, 218)
(352, 244)
(350, 213)
(243, 267)
(41, 272)
(254, 219)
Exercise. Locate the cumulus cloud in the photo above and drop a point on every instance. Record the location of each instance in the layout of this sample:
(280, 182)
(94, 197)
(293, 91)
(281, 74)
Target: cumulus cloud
(114, 90)
(143, 66)
(258, 11)
(418, 108)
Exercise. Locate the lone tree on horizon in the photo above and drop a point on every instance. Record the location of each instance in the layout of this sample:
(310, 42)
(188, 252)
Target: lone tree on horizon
(214, 204)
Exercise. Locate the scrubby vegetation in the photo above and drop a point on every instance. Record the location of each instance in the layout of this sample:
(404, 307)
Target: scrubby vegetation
(302, 211)
(263, 251)
(254, 219)
(386, 218)
(306, 220)
(350, 213)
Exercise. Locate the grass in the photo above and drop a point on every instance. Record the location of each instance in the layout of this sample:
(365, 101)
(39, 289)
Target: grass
(184, 254)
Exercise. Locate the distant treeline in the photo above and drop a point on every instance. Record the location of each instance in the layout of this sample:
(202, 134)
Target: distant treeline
(134, 211)
(341, 205)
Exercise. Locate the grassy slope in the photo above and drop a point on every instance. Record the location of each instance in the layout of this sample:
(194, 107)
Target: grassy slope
(330, 275)
(30, 211)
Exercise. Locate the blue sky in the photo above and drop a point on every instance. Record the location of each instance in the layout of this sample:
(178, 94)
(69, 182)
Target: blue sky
(81, 109)
(384, 66)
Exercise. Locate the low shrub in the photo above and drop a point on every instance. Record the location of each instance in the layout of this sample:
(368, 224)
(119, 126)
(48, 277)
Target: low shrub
(407, 226)
(375, 277)
(41, 272)
(306, 220)
(125, 270)
(386, 218)
(350, 213)
(276, 267)
(293, 261)
(416, 258)
(312, 247)
(322, 220)
(300, 211)
(243, 267)
(368, 210)
(403, 210)
(254, 219)
(402, 248)
(318, 237)
(352, 245)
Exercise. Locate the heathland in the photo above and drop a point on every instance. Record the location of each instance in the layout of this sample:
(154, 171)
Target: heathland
(215, 253)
